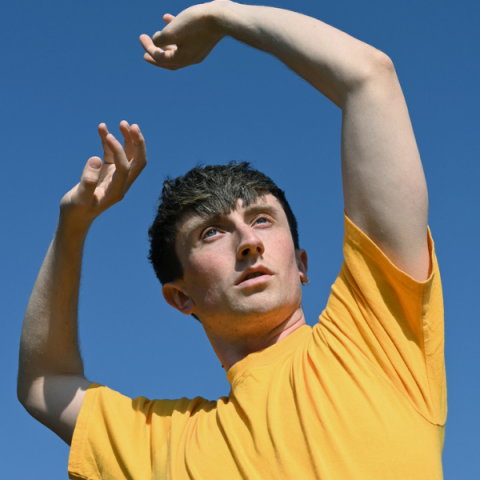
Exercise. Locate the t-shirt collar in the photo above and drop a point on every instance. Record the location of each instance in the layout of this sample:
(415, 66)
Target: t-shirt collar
(269, 354)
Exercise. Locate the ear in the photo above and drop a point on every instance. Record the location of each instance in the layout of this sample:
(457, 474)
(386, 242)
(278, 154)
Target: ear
(178, 298)
(302, 263)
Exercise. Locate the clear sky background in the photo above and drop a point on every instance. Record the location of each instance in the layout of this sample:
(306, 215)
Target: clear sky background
(67, 66)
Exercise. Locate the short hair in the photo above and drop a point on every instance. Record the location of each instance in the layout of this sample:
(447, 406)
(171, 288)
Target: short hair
(206, 191)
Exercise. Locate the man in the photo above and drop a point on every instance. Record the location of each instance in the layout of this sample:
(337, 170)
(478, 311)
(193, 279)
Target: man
(362, 394)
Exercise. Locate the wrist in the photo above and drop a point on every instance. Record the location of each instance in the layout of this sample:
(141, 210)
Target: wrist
(223, 15)
(73, 229)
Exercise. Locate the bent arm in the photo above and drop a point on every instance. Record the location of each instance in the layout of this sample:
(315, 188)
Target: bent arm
(51, 382)
(384, 185)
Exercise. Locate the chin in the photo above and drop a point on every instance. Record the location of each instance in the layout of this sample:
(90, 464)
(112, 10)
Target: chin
(264, 309)
(259, 310)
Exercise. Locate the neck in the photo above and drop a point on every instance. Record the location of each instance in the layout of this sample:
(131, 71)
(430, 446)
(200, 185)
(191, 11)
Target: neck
(230, 351)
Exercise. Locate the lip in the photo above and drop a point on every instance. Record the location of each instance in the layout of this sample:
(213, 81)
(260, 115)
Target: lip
(266, 274)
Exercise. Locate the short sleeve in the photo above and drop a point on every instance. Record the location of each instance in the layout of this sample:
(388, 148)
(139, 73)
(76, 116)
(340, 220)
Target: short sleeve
(118, 437)
(394, 321)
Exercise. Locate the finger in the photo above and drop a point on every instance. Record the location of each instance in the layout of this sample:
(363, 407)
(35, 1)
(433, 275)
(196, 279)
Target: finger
(146, 41)
(165, 37)
(161, 56)
(140, 155)
(127, 139)
(89, 181)
(120, 176)
(107, 152)
(149, 59)
(168, 17)
(148, 45)
(157, 55)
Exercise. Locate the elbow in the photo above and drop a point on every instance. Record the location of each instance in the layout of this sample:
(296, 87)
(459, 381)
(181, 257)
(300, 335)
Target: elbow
(374, 74)
(381, 64)
(375, 65)
(26, 389)
(22, 393)
(31, 395)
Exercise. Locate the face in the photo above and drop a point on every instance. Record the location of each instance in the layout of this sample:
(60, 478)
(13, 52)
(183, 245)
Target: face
(242, 274)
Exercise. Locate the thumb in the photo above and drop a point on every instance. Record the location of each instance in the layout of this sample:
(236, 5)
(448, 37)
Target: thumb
(89, 180)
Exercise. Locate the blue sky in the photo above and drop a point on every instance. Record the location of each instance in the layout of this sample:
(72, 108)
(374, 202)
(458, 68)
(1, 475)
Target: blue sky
(67, 66)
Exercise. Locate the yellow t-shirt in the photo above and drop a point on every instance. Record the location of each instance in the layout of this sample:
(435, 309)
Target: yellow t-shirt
(362, 395)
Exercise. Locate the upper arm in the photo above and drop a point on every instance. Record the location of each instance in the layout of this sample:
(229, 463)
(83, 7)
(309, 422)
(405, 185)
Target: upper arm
(56, 401)
(384, 185)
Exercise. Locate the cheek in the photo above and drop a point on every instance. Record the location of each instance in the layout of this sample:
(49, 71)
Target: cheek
(284, 251)
(285, 255)
(206, 276)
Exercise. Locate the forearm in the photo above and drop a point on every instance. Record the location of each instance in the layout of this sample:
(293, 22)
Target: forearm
(384, 185)
(49, 340)
(51, 383)
(332, 61)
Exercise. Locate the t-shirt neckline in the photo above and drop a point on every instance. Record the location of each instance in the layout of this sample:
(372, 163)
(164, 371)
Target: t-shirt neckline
(268, 355)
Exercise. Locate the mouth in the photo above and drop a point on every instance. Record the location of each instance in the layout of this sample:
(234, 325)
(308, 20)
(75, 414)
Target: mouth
(254, 277)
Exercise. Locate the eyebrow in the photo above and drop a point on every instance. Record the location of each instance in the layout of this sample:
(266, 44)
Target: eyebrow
(261, 208)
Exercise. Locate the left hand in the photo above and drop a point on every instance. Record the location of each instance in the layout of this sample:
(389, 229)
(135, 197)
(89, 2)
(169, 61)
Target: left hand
(187, 39)
(105, 183)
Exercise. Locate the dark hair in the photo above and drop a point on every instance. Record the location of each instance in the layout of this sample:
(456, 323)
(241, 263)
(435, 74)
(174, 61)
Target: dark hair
(207, 191)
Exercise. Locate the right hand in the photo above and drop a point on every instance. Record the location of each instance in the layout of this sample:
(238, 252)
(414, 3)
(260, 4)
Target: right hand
(105, 183)
(187, 39)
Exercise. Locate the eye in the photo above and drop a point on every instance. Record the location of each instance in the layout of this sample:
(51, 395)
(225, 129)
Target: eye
(262, 221)
(210, 233)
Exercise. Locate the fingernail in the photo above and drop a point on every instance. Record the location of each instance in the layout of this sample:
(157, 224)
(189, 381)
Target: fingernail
(95, 163)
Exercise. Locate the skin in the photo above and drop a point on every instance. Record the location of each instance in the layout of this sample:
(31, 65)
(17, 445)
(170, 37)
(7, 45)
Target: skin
(51, 383)
(384, 187)
(240, 317)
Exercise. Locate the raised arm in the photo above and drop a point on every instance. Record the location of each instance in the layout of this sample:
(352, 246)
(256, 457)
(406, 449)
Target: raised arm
(51, 382)
(384, 186)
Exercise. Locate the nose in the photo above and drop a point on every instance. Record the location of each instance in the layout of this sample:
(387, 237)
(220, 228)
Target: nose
(249, 244)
